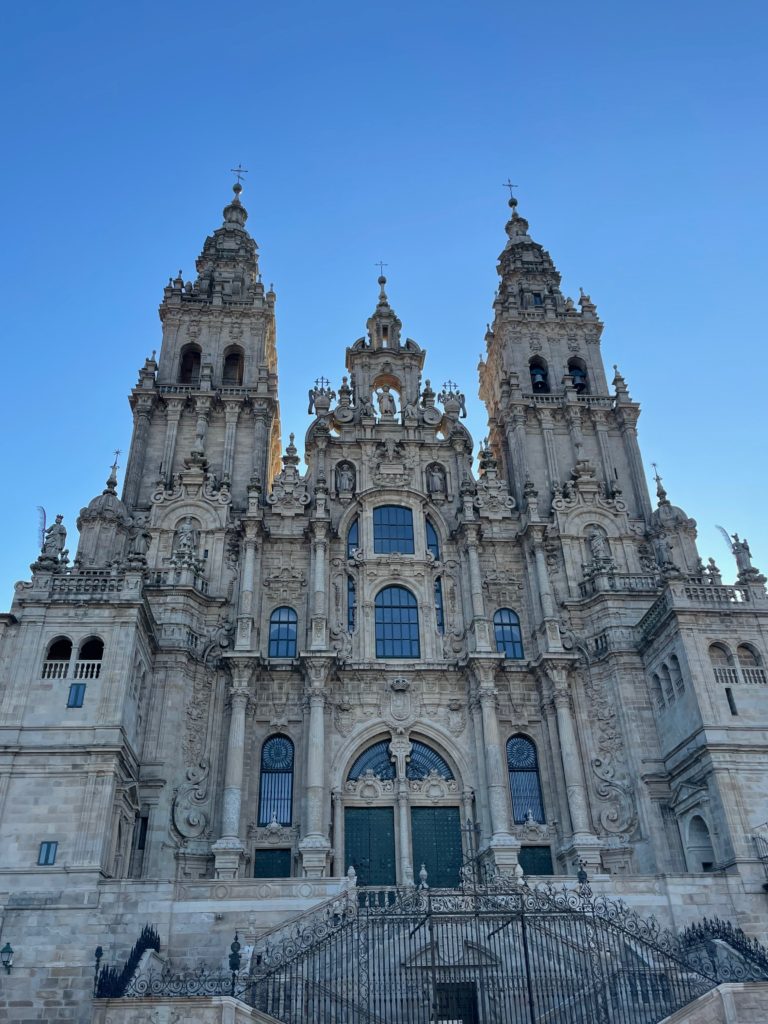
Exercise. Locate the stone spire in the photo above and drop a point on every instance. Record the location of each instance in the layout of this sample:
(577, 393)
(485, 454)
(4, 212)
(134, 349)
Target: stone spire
(529, 278)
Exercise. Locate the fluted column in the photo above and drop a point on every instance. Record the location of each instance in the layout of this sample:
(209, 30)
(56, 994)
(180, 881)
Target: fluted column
(404, 832)
(247, 581)
(228, 850)
(314, 845)
(502, 842)
(174, 407)
(517, 441)
(231, 415)
(135, 469)
(319, 613)
(551, 623)
(627, 418)
(203, 409)
(260, 453)
(575, 786)
(338, 840)
(480, 623)
(550, 447)
(482, 790)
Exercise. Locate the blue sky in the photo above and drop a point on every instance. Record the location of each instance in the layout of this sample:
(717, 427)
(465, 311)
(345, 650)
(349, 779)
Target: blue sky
(636, 134)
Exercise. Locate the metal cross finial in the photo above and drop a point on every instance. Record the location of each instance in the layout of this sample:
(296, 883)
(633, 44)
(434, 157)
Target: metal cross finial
(381, 264)
(450, 386)
(239, 171)
(118, 453)
(508, 184)
(656, 476)
(322, 383)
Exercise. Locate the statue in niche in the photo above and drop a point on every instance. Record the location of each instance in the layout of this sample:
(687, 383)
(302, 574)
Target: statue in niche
(345, 478)
(185, 541)
(55, 539)
(598, 547)
(366, 407)
(387, 406)
(435, 479)
(139, 540)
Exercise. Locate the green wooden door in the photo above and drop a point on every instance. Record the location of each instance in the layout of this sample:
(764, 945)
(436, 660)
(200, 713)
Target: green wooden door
(272, 863)
(369, 844)
(436, 835)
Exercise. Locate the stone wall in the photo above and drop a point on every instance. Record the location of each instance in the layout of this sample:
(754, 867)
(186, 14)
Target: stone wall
(726, 1004)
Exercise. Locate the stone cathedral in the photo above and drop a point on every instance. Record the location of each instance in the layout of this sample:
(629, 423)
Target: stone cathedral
(262, 681)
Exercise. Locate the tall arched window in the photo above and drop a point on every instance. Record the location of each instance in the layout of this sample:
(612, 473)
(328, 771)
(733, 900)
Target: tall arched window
(506, 628)
(189, 365)
(699, 850)
(397, 624)
(283, 631)
(433, 541)
(392, 530)
(353, 537)
(524, 782)
(276, 781)
(57, 658)
(232, 371)
(89, 656)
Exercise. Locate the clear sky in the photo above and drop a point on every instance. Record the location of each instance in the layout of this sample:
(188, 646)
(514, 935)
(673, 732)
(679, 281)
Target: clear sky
(636, 134)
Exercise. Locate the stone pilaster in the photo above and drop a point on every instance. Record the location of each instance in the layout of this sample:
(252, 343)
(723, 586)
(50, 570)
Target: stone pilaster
(314, 845)
(229, 849)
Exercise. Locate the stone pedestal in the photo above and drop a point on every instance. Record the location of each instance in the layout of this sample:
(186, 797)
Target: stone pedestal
(314, 850)
(228, 854)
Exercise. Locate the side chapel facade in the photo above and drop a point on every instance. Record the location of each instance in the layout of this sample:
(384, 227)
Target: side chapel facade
(252, 684)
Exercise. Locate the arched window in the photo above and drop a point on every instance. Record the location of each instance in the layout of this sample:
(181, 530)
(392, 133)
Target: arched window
(701, 855)
(423, 761)
(375, 759)
(189, 365)
(351, 604)
(669, 690)
(232, 371)
(539, 376)
(433, 541)
(276, 781)
(392, 530)
(524, 782)
(283, 631)
(89, 657)
(353, 537)
(677, 674)
(397, 624)
(439, 615)
(723, 664)
(506, 627)
(57, 658)
(577, 369)
(656, 694)
(751, 664)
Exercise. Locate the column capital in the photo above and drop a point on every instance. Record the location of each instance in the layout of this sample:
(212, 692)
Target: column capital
(316, 671)
(241, 670)
(174, 407)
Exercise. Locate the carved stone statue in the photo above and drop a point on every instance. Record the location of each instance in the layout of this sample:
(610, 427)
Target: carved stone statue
(386, 402)
(742, 554)
(55, 539)
(139, 541)
(715, 576)
(185, 541)
(597, 546)
(435, 479)
(345, 478)
(366, 407)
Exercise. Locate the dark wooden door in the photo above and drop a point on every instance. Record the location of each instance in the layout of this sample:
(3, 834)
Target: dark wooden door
(436, 836)
(369, 844)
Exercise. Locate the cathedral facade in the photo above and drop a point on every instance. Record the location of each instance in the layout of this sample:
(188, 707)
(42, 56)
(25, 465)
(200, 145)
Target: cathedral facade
(257, 684)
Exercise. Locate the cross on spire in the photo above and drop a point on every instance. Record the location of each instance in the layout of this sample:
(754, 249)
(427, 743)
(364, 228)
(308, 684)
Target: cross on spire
(451, 386)
(239, 171)
(118, 453)
(508, 184)
(381, 264)
(322, 383)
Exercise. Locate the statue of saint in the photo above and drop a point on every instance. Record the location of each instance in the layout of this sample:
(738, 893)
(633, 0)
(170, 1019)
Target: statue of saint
(597, 545)
(186, 538)
(140, 539)
(435, 479)
(345, 478)
(742, 554)
(55, 538)
(386, 402)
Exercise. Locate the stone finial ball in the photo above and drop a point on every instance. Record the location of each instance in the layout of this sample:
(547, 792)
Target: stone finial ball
(237, 188)
(382, 280)
(512, 202)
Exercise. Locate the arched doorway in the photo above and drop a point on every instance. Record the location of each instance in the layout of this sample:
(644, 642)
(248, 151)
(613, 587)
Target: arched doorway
(401, 812)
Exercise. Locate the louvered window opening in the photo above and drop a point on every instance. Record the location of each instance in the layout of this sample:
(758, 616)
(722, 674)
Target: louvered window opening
(276, 781)
(439, 616)
(423, 761)
(351, 604)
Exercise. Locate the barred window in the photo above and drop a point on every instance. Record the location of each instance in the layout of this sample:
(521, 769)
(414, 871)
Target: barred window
(439, 605)
(433, 541)
(276, 781)
(524, 782)
(283, 631)
(397, 624)
(506, 628)
(392, 530)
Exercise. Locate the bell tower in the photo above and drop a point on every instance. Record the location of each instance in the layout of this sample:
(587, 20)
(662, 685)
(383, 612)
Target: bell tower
(211, 398)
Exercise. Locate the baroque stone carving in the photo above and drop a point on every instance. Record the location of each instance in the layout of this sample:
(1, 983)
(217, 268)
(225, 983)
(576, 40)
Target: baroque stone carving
(610, 769)
(285, 582)
(290, 495)
(189, 818)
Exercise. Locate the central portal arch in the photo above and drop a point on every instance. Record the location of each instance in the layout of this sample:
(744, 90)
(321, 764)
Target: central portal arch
(402, 813)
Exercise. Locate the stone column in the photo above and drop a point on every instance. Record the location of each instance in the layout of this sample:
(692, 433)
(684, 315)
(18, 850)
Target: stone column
(315, 846)
(551, 623)
(404, 832)
(231, 415)
(319, 613)
(174, 407)
(479, 620)
(228, 850)
(203, 409)
(627, 418)
(245, 610)
(260, 435)
(482, 791)
(502, 843)
(135, 469)
(550, 448)
(604, 447)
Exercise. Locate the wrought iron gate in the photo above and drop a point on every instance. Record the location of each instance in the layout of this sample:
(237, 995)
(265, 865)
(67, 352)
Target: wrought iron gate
(494, 954)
